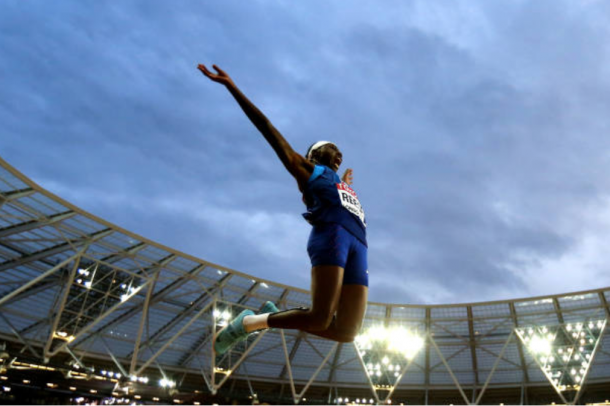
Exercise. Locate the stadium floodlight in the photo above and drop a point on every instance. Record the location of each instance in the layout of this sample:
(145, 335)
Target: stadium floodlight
(564, 353)
(541, 345)
(396, 339)
(386, 353)
(131, 291)
(166, 383)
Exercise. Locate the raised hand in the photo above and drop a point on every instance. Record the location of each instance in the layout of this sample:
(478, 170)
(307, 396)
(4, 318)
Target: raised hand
(221, 77)
(348, 176)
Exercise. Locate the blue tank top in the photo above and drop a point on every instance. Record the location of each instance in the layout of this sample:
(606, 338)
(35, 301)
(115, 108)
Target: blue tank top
(329, 200)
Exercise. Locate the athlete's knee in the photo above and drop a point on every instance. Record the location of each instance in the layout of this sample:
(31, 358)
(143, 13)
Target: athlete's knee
(347, 334)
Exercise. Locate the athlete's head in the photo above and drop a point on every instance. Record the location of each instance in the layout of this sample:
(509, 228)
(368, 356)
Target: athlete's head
(325, 153)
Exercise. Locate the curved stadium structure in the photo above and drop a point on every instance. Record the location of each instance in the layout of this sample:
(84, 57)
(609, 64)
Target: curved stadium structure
(89, 310)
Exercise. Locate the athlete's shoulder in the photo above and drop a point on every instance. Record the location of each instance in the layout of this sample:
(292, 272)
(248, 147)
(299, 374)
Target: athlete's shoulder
(318, 171)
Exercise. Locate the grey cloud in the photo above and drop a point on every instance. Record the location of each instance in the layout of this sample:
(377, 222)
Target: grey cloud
(476, 157)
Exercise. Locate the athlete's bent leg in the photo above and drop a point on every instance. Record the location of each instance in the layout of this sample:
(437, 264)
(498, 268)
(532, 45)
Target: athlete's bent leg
(350, 313)
(326, 281)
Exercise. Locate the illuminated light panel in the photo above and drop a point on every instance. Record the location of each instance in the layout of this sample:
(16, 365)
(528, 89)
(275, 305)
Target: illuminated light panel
(564, 352)
(386, 353)
(219, 370)
(166, 383)
(62, 335)
(222, 317)
(131, 291)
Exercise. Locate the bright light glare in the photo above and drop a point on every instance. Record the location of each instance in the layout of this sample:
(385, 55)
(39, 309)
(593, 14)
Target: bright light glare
(540, 345)
(132, 291)
(167, 383)
(397, 339)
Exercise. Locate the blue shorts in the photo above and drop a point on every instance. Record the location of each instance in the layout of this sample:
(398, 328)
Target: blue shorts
(331, 244)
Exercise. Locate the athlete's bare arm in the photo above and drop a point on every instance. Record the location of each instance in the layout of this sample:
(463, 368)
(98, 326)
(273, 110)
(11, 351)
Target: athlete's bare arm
(296, 164)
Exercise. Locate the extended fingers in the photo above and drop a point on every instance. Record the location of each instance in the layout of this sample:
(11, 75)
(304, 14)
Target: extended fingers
(204, 70)
(219, 70)
(347, 176)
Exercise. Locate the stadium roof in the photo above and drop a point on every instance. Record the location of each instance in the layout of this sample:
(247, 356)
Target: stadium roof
(78, 288)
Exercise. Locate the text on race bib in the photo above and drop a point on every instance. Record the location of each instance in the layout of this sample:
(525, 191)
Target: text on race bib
(350, 201)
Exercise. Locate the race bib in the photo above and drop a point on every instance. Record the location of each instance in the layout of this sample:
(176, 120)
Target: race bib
(350, 201)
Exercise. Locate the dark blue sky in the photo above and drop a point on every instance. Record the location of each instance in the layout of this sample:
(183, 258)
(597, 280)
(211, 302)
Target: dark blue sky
(478, 131)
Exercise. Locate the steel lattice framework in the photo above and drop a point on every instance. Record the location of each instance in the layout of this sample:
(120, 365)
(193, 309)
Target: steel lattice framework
(72, 283)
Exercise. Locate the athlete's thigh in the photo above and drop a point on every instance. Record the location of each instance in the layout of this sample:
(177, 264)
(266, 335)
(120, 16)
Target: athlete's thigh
(326, 282)
(352, 306)
(328, 251)
(354, 294)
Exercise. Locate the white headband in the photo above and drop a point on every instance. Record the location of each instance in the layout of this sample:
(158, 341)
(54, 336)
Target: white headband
(315, 147)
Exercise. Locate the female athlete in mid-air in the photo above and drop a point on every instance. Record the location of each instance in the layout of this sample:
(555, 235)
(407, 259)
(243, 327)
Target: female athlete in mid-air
(337, 243)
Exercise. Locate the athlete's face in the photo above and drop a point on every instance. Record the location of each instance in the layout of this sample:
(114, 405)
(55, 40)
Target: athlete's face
(330, 156)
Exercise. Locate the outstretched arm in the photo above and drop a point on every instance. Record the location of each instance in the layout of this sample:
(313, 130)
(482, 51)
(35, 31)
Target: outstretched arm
(296, 164)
